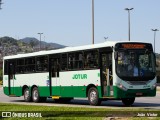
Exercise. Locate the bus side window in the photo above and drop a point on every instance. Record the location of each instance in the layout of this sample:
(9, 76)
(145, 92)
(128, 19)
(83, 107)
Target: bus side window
(64, 62)
(5, 67)
(71, 61)
(91, 59)
(30, 64)
(42, 63)
(45, 65)
(75, 60)
(53, 71)
(38, 66)
(79, 60)
(20, 68)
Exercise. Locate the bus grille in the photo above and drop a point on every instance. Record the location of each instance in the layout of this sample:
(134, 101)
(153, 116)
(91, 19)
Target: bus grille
(137, 82)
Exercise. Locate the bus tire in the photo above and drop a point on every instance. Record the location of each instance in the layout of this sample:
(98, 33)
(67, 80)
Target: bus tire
(128, 101)
(35, 95)
(27, 97)
(93, 96)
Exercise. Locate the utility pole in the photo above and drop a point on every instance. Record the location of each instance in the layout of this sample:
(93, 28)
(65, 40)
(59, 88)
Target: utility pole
(40, 40)
(44, 43)
(154, 30)
(129, 9)
(92, 21)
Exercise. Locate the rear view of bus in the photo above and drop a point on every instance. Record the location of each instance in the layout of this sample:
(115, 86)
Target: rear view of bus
(135, 73)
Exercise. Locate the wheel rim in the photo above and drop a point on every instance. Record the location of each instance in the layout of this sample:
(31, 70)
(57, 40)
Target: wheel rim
(26, 94)
(93, 96)
(35, 95)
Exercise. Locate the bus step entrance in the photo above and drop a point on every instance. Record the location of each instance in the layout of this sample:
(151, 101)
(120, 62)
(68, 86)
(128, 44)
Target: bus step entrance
(108, 91)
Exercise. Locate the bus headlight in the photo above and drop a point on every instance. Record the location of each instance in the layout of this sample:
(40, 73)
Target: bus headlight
(153, 86)
(122, 87)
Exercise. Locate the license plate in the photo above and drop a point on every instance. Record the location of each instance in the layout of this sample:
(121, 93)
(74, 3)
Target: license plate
(139, 94)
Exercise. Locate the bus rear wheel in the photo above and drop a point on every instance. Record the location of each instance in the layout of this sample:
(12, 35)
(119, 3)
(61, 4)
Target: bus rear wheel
(93, 96)
(128, 101)
(36, 96)
(27, 97)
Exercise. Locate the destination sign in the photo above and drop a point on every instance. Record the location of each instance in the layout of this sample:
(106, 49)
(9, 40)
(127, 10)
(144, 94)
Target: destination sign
(134, 46)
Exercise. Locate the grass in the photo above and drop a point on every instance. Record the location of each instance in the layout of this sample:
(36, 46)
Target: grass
(54, 112)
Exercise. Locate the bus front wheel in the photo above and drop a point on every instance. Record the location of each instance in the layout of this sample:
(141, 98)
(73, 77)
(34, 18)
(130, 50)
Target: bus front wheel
(93, 96)
(128, 101)
(27, 97)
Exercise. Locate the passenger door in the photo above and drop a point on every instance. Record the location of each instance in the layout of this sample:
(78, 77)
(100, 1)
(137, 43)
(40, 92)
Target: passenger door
(54, 73)
(106, 73)
(11, 76)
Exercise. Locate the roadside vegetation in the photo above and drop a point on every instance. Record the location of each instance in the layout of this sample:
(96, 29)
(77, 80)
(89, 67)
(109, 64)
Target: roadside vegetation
(54, 112)
(1, 76)
(1, 83)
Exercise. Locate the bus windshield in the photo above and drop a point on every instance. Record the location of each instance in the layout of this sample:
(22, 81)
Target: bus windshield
(135, 64)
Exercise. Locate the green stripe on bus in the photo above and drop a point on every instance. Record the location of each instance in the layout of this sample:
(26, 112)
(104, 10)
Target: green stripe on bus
(63, 91)
(80, 91)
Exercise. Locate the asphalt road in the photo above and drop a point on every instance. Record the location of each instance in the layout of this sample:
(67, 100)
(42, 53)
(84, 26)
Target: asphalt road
(143, 102)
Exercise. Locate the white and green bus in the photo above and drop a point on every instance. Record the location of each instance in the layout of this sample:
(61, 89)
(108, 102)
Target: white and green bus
(110, 70)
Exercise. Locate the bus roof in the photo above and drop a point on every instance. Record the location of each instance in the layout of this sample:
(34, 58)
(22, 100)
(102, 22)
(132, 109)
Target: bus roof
(67, 49)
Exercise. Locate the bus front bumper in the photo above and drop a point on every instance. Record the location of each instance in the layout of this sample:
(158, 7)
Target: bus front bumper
(130, 93)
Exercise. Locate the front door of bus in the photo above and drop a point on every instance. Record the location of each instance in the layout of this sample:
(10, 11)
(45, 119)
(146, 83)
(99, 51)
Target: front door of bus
(55, 76)
(11, 77)
(106, 74)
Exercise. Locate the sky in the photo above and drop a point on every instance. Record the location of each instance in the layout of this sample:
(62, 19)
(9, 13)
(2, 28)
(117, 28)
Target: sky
(69, 22)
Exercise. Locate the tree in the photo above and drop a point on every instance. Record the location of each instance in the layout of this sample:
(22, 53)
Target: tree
(1, 74)
(33, 43)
